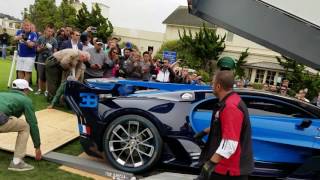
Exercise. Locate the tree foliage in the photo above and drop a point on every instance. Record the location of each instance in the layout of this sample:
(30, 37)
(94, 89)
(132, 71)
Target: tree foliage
(300, 78)
(175, 45)
(239, 71)
(66, 14)
(94, 19)
(204, 46)
(43, 12)
(83, 17)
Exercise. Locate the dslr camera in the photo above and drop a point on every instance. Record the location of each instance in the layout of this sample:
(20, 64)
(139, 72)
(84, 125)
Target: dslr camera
(25, 36)
(94, 29)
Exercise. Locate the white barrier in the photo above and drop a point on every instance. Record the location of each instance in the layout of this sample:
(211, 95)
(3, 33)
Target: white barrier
(12, 69)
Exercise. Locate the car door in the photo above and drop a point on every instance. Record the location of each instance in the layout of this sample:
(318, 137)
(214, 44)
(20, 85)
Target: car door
(317, 138)
(201, 114)
(281, 132)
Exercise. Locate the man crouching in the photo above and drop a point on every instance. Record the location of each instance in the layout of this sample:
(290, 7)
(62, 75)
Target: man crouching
(12, 105)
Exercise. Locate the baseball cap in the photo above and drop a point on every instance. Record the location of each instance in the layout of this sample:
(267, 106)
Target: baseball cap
(21, 84)
(226, 63)
(99, 41)
(128, 45)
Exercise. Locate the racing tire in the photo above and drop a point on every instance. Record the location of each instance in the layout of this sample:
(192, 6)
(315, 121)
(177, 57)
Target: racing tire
(132, 143)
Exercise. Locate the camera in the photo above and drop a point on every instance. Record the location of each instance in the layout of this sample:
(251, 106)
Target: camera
(25, 37)
(94, 29)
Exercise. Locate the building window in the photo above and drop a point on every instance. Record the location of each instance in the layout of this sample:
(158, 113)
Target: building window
(259, 76)
(229, 37)
(270, 77)
(10, 25)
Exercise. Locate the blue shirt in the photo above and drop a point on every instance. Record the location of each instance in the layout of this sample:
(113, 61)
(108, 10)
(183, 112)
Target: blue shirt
(24, 50)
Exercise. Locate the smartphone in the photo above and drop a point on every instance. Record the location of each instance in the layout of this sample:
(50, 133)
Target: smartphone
(150, 48)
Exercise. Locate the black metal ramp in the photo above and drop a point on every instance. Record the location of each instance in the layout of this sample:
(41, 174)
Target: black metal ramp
(90, 166)
(264, 24)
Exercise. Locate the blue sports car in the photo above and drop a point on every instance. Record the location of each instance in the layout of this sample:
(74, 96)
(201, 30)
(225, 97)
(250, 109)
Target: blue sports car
(135, 125)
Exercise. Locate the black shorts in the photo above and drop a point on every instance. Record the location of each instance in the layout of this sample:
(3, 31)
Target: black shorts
(41, 69)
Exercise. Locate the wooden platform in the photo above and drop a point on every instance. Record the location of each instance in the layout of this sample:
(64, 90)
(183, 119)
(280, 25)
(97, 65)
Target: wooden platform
(86, 174)
(56, 129)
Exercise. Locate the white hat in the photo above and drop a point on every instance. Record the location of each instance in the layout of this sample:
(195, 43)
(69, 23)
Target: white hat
(21, 84)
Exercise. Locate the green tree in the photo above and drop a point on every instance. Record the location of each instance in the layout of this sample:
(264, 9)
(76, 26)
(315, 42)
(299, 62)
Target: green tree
(294, 72)
(94, 19)
(41, 13)
(83, 17)
(239, 71)
(66, 14)
(175, 45)
(205, 46)
(299, 78)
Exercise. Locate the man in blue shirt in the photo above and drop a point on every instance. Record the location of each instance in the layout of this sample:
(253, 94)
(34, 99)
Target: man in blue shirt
(26, 51)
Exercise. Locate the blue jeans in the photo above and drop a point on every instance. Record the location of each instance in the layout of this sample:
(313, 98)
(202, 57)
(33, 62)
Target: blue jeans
(4, 51)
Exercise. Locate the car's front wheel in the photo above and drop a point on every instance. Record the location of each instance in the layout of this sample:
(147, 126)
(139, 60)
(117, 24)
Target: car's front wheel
(132, 143)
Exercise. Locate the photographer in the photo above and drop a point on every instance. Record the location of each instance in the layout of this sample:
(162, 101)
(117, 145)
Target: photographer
(165, 74)
(26, 51)
(46, 46)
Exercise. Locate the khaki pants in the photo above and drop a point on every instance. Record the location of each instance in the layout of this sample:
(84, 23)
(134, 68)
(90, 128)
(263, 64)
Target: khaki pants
(22, 127)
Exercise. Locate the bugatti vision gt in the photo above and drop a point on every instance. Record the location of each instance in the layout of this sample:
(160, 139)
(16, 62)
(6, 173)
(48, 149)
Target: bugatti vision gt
(156, 124)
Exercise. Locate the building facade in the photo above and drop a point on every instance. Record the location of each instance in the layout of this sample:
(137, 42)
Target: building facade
(11, 24)
(143, 39)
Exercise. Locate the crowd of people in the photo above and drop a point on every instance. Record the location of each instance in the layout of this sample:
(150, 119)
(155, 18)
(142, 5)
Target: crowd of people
(104, 59)
(100, 59)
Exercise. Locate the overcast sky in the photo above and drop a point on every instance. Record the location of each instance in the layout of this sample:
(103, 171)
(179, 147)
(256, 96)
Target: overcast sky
(149, 14)
(137, 14)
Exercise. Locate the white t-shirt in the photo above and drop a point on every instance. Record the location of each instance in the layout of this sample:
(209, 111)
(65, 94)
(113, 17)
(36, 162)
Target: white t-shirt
(74, 45)
(163, 76)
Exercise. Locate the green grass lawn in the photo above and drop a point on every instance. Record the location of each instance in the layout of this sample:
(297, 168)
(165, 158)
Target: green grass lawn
(43, 169)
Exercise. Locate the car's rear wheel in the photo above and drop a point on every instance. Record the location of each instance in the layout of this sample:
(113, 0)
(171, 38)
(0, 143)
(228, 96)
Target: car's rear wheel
(132, 143)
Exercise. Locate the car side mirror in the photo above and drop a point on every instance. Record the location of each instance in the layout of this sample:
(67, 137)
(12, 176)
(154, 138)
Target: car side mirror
(304, 124)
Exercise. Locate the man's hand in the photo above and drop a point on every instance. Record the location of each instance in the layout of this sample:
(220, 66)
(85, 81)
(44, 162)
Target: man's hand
(207, 170)
(98, 66)
(18, 38)
(88, 29)
(94, 66)
(30, 44)
(200, 135)
(38, 154)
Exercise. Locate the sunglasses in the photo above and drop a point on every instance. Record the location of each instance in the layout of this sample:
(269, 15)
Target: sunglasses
(115, 52)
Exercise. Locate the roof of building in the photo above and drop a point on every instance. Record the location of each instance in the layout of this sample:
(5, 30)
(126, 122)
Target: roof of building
(181, 16)
(266, 65)
(275, 66)
(9, 17)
